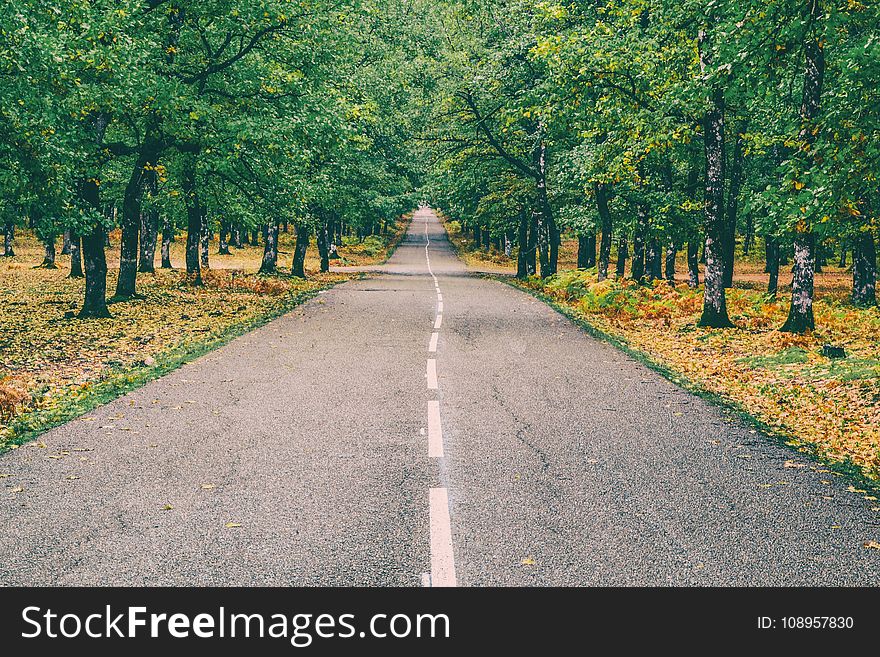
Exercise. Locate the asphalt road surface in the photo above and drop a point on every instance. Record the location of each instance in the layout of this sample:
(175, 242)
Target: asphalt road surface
(422, 427)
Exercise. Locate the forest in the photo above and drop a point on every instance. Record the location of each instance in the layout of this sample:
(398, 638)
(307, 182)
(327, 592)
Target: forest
(703, 164)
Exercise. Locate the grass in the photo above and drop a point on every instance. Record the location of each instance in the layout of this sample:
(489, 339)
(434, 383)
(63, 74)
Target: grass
(54, 367)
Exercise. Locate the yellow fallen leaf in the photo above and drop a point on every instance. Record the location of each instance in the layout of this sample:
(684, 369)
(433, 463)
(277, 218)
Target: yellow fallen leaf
(167, 507)
(528, 561)
(793, 464)
(41, 445)
(17, 489)
(873, 545)
(208, 486)
(72, 477)
(232, 525)
(54, 456)
(871, 498)
(4, 476)
(853, 489)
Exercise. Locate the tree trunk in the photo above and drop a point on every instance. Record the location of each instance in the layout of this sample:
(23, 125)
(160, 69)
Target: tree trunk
(303, 234)
(621, 257)
(270, 249)
(149, 224)
(205, 240)
(478, 236)
(549, 232)
(800, 313)
(605, 226)
(749, 237)
(49, 257)
(586, 255)
(532, 245)
(131, 218)
(693, 257)
(167, 235)
(843, 251)
(522, 268)
(637, 267)
(864, 292)
(771, 258)
(653, 260)
(324, 246)
(9, 239)
(732, 206)
(65, 244)
(76, 269)
(671, 252)
(95, 301)
(224, 242)
(193, 218)
(255, 239)
(714, 299)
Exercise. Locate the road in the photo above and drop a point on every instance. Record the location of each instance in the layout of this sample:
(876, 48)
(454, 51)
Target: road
(424, 426)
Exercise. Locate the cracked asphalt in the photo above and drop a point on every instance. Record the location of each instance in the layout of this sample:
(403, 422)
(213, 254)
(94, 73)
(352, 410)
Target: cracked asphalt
(297, 455)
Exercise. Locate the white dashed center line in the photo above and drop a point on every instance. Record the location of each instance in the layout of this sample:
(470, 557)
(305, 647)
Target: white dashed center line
(442, 562)
(435, 432)
(432, 374)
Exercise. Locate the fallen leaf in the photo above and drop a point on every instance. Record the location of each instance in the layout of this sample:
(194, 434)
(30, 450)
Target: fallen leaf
(853, 489)
(232, 525)
(72, 477)
(17, 489)
(208, 486)
(793, 464)
(167, 507)
(872, 545)
(4, 476)
(528, 561)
